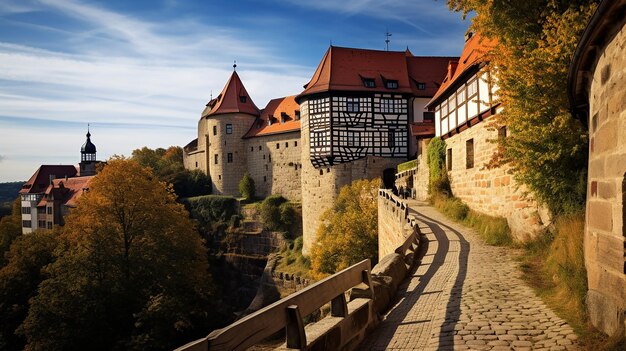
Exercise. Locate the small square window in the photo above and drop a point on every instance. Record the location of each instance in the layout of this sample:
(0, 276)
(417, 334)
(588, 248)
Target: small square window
(391, 84)
(352, 106)
(214, 130)
(369, 83)
(421, 86)
(243, 98)
(229, 157)
(295, 143)
(215, 158)
(278, 145)
(286, 144)
(229, 129)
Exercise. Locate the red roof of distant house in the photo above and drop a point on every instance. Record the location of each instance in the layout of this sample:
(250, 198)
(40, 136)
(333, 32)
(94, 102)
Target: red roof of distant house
(346, 69)
(233, 99)
(474, 52)
(40, 181)
(67, 190)
(282, 112)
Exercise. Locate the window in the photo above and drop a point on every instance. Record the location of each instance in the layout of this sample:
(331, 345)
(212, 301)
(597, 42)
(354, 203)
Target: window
(354, 138)
(41, 210)
(369, 83)
(469, 154)
(259, 147)
(41, 224)
(297, 113)
(49, 210)
(286, 144)
(243, 98)
(196, 164)
(421, 86)
(502, 132)
(321, 172)
(229, 129)
(392, 138)
(295, 143)
(25, 210)
(49, 225)
(386, 106)
(215, 158)
(264, 179)
(278, 145)
(251, 148)
(214, 130)
(391, 84)
(449, 160)
(352, 106)
(219, 177)
(27, 224)
(266, 168)
(229, 157)
(472, 87)
(264, 157)
(269, 158)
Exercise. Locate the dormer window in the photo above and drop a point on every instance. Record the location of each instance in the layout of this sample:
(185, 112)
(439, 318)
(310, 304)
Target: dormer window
(243, 98)
(391, 84)
(297, 114)
(369, 82)
(421, 86)
(283, 117)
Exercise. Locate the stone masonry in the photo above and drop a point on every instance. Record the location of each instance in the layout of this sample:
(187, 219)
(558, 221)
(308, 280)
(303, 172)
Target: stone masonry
(490, 191)
(605, 233)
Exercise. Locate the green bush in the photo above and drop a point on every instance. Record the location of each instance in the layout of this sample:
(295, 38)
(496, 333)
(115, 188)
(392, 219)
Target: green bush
(247, 187)
(210, 209)
(270, 212)
(287, 215)
(436, 165)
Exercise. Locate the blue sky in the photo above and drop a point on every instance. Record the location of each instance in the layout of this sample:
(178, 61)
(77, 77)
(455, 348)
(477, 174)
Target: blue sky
(141, 71)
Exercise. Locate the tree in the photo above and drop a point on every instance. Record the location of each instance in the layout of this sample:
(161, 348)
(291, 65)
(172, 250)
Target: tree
(269, 212)
(546, 146)
(246, 187)
(19, 280)
(10, 229)
(131, 270)
(349, 232)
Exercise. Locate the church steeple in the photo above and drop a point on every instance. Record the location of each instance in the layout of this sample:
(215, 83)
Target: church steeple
(88, 157)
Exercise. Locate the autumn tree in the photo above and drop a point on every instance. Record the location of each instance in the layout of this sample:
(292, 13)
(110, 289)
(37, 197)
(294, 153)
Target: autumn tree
(131, 271)
(10, 229)
(19, 280)
(546, 146)
(349, 229)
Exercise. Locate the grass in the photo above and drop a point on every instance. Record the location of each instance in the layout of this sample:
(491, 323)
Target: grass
(290, 260)
(493, 230)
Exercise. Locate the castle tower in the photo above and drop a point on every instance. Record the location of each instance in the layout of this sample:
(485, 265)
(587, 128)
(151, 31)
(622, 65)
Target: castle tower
(225, 121)
(88, 157)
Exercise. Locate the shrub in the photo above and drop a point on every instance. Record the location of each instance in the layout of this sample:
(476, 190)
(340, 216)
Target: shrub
(270, 213)
(247, 187)
(438, 178)
(210, 209)
(287, 215)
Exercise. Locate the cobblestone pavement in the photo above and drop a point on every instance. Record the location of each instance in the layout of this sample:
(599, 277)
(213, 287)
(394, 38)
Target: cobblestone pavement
(466, 295)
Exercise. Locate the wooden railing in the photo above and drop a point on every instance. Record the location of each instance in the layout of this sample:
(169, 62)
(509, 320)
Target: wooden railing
(287, 313)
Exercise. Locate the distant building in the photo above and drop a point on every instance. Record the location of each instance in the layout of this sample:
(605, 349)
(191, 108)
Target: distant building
(352, 121)
(463, 108)
(53, 190)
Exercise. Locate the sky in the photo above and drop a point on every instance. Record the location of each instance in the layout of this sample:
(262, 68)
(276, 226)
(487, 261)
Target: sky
(140, 72)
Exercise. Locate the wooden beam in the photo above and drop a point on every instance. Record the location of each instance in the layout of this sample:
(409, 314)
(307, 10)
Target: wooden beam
(296, 337)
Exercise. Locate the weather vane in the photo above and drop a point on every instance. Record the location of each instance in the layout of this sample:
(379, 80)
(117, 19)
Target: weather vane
(235, 66)
(387, 40)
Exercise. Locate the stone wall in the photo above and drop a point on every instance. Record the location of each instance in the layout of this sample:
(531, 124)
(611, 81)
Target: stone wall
(420, 178)
(490, 191)
(605, 233)
(274, 164)
(393, 229)
(225, 175)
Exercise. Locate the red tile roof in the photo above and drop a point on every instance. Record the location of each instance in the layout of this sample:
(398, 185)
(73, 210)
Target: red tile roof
(276, 109)
(39, 182)
(474, 53)
(67, 191)
(344, 69)
(230, 100)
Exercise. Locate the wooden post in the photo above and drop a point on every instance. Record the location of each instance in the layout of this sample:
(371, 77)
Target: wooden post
(296, 338)
(338, 306)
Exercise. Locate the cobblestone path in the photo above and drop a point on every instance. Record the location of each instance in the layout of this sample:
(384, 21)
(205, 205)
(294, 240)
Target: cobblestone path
(466, 295)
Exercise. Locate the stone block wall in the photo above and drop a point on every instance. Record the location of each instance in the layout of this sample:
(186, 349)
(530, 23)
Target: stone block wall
(490, 191)
(605, 234)
(274, 164)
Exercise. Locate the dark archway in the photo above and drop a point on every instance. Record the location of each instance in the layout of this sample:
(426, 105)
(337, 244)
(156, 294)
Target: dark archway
(389, 178)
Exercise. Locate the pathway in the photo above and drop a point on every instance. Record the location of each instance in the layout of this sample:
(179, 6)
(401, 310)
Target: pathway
(466, 295)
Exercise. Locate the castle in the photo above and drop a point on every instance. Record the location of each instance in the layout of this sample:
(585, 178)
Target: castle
(53, 190)
(354, 120)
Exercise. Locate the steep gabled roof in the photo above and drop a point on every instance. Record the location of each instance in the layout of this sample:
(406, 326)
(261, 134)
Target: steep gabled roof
(275, 109)
(345, 69)
(233, 99)
(40, 181)
(474, 53)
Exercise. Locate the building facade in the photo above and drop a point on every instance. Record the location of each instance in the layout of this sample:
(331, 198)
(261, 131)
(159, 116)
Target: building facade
(47, 197)
(597, 88)
(464, 107)
(352, 121)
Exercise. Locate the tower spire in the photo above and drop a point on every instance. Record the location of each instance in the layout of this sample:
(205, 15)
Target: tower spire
(235, 66)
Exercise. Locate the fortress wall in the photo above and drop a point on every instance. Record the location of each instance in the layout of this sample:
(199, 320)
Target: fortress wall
(605, 233)
(490, 191)
(392, 226)
(225, 176)
(420, 178)
(276, 170)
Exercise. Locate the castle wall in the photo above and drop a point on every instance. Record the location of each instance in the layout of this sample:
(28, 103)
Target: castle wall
(320, 187)
(226, 173)
(489, 191)
(605, 233)
(393, 229)
(274, 164)
(420, 178)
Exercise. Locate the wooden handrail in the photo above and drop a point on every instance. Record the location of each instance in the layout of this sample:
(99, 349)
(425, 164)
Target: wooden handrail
(287, 313)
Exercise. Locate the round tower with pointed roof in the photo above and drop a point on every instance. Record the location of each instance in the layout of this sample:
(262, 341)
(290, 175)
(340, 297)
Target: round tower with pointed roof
(88, 157)
(225, 120)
